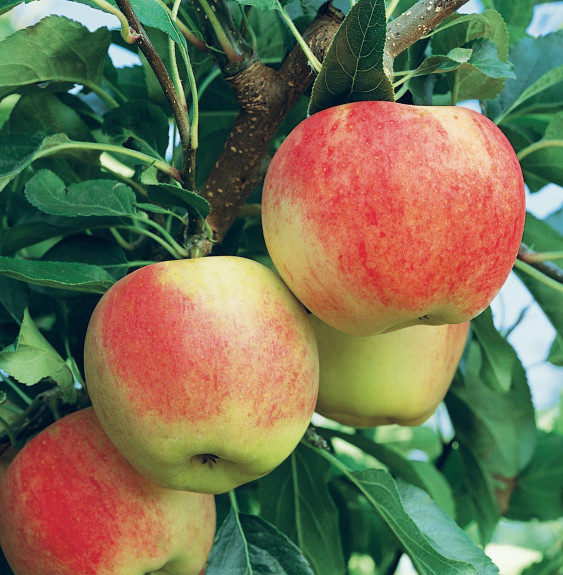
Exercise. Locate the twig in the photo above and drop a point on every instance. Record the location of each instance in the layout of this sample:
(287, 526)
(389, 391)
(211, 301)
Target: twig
(547, 268)
(265, 97)
(166, 83)
(411, 25)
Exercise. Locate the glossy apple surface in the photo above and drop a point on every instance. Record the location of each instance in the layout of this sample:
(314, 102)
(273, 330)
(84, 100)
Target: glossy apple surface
(203, 372)
(71, 504)
(397, 377)
(380, 215)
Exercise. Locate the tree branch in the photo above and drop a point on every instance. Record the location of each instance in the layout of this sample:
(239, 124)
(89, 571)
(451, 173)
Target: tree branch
(411, 25)
(549, 269)
(167, 85)
(266, 96)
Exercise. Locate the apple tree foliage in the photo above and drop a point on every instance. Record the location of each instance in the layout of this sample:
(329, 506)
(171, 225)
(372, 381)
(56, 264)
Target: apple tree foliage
(105, 168)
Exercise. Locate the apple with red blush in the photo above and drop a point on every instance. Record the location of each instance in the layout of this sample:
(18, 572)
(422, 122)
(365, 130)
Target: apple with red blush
(380, 215)
(71, 504)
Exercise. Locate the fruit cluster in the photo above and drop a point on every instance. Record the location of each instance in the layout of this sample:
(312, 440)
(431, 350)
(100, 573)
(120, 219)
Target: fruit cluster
(390, 227)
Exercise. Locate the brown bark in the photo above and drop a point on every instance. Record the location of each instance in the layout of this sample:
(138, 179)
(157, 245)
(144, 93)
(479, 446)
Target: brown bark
(265, 96)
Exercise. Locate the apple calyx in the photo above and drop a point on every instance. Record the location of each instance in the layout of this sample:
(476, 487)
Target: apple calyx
(209, 458)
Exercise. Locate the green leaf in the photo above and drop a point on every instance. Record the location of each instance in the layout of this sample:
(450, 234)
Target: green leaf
(14, 297)
(249, 545)
(18, 152)
(538, 493)
(40, 111)
(47, 192)
(498, 425)
(353, 66)
(542, 237)
(538, 83)
(142, 124)
(495, 431)
(460, 29)
(173, 196)
(481, 65)
(548, 565)
(295, 498)
(542, 161)
(263, 4)
(381, 491)
(517, 13)
(90, 249)
(497, 355)
(476, 492)
(555, 355)
(65, 275)
(422, 474)
(483, 75)
(550, 79)
(63, 51)
(32, 358)
(442, 531)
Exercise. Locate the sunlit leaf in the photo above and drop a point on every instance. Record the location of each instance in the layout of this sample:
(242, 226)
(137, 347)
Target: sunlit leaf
(110, 198)
(32, 358)
(64, 51)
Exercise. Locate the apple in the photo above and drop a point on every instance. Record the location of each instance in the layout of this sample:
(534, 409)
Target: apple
(397, 377)
(71, 504)
(380, 215)
(203, 372)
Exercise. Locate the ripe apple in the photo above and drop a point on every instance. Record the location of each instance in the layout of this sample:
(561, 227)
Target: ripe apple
(381, 215)
(396, 377)
(203, 372)
(71, 504)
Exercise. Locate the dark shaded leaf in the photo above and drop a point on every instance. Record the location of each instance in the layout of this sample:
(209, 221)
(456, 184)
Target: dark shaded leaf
(422, 474)
(64, 275)
(484, 74)
(140, 123)
(497, 355)
(173, 196)
(248, 545)
(539, 488)
(295, 498)
(544, 162)
(43, 112)
(498, 425)
(18, 152)
(353, 66)
(542, 237)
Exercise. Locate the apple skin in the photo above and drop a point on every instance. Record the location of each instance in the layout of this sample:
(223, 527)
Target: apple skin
(380, 215)
(203, 372)
(71, 504)
(397, 377)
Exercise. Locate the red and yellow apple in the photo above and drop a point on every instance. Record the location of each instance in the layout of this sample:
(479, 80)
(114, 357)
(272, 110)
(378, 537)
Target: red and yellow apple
(396, 377)
(203, 372)
(71, 504)
(380, 215)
